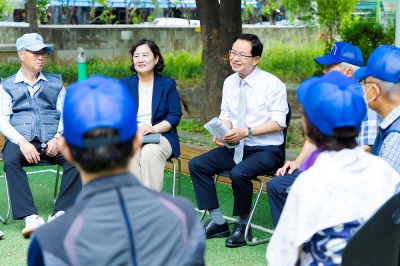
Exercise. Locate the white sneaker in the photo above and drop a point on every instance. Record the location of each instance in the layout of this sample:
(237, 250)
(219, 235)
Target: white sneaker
(56, 215)
(31, 223)
(1, 234)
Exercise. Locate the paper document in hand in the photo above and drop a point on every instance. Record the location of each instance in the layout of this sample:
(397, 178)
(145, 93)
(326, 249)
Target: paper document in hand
(218, 130)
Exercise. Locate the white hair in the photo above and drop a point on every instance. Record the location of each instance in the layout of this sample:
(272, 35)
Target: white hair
(344, 65)
(391, 89)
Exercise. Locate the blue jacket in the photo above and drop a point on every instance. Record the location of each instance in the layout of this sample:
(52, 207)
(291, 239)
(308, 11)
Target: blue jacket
(166, 105)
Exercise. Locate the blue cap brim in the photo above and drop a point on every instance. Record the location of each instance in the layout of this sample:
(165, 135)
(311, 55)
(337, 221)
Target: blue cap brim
(361, 73)
(37, 47)
(327, 60)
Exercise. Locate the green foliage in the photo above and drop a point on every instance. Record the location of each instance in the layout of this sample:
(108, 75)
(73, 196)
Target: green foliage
(136, 18)
(367, 35)
(329, 14)
(6, 8)
(270, 7)
(193, 126)
(42, 10)
(107, 16)
(291, 63)
(184, 65)
(247, 12)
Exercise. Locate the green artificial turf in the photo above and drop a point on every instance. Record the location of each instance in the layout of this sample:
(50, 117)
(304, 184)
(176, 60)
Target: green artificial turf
(13, 247)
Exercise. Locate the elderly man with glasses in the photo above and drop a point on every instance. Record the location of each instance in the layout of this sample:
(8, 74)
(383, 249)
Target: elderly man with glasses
(381, 79)
(254, 109)
(31, 104)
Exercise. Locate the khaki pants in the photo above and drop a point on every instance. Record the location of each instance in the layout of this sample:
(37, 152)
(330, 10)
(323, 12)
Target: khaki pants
(149, 162)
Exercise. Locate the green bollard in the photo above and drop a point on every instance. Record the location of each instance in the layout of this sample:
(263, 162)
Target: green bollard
(82, 64)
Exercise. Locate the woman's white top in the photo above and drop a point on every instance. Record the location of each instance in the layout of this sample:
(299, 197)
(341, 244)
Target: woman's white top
(340, 187)
(144, 110)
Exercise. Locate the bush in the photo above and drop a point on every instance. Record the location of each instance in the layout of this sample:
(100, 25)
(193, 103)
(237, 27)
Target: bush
(367, 35)
(291, 64)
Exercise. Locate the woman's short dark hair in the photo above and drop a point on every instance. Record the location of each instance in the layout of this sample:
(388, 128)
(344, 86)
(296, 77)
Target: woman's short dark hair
(156, 52)
(104, 158)
(256, 44)
(341, 138)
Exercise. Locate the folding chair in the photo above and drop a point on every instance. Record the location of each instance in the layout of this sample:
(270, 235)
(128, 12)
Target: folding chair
(174, 175)
(5, 219)
(377, 241)
(268, 174)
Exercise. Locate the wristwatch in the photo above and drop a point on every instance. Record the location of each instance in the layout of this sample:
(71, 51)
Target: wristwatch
(250, 133)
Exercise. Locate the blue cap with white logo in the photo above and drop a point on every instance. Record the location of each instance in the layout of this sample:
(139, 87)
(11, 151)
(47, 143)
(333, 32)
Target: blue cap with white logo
(342, 52)
(332, 101)
(98, 102)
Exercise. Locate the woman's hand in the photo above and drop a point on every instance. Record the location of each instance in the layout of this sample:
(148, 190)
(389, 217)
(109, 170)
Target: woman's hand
(146, 129)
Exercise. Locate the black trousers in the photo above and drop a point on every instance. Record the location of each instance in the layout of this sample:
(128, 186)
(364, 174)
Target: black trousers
(20, 193)
(256, 160)
(277, 194)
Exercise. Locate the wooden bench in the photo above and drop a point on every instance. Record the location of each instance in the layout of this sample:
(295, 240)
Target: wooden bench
(189, 151)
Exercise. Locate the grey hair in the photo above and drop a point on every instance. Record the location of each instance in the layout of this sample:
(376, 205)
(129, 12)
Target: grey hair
(344, 65)
(390, 89)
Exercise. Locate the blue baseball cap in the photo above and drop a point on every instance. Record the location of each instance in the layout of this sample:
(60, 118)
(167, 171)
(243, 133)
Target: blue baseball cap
(383, 64)
(332, 101)
(98, 102)
(33, 42)
(342, 52)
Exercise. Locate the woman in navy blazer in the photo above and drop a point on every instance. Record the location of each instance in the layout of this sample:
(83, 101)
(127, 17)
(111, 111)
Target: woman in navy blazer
(159, 111)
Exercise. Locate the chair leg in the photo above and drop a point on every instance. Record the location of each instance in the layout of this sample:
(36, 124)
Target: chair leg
(5, 220)
(251, 243)
(179, 176)
(173, 176)
(56, 186)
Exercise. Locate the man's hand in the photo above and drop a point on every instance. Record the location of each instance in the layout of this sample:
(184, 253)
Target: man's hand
(219, 143)
(236, 134)
(366, 148)
(29, 151)
(52, 147)
(146, 129)
(291, 165)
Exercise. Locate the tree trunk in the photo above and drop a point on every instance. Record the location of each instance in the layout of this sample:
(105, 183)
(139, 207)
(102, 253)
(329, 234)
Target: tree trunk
(220, 24)
(32, 16)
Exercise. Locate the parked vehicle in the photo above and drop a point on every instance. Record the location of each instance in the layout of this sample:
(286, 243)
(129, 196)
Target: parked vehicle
(175, 21)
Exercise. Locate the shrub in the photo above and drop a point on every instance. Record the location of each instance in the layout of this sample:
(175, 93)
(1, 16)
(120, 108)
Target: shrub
(291, 63)
(367, 35)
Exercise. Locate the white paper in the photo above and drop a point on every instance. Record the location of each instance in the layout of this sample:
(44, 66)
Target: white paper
(218, 130)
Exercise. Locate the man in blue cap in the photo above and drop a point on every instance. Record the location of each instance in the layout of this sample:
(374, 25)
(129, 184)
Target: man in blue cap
(345, 58)
(31, 116)
(381, 78)
(115, 220)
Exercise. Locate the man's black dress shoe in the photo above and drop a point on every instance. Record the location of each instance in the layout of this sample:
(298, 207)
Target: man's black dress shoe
(212, 229)
(236, 239)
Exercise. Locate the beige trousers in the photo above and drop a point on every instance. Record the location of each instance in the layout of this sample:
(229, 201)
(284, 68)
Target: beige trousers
(149, 162)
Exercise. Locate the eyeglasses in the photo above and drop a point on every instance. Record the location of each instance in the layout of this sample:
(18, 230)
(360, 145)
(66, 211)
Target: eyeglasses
(38, 53)
(240, 56)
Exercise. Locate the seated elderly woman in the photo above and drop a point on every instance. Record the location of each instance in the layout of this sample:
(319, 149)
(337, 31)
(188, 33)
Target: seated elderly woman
(159, 111)
(341, 187)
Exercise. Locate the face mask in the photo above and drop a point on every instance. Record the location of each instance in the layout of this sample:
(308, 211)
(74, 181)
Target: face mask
(365, 94)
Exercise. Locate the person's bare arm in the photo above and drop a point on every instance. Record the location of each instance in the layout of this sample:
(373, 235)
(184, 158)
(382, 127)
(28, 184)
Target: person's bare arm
(290, 166)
